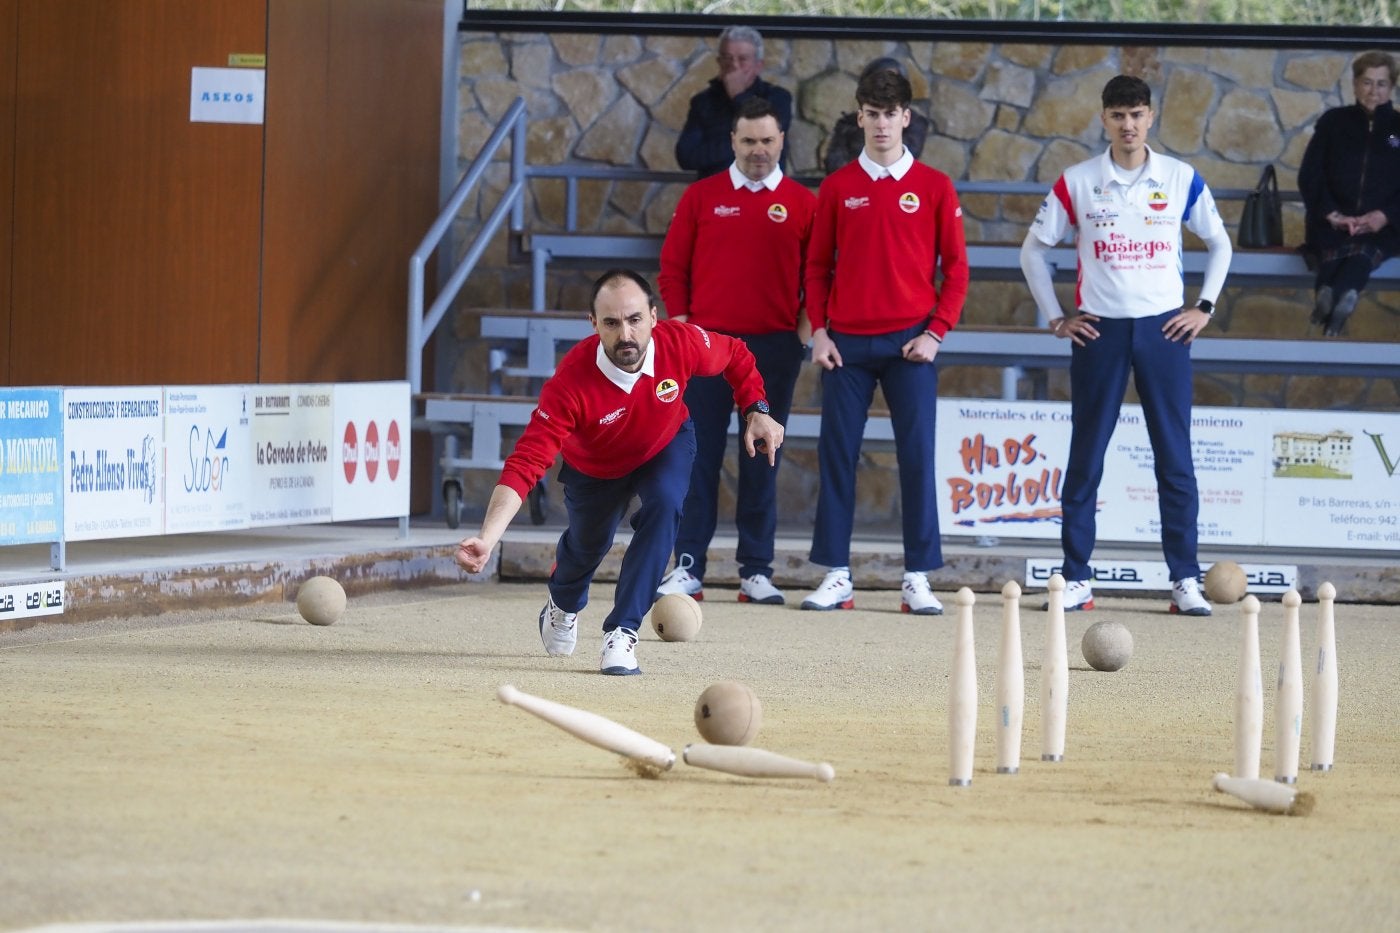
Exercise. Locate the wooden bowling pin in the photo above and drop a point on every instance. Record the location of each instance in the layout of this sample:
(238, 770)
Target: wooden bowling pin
(1249, 694)
(1324, 693)
(1288, 705)
(1011, 682)
(1264, 795)
(1054, 676)
(962, 695)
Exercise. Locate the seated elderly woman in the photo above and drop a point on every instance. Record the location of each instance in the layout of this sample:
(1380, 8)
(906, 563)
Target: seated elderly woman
(1350, 182)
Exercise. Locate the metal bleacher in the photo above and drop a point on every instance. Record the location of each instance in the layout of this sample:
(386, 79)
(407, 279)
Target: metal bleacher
(540, 332)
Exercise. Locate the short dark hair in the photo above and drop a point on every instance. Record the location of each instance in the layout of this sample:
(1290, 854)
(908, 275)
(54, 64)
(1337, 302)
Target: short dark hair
(1126, 91)
(1373, 59)
(883, 64)
(616, 275)
(754, 108)
(884, 89)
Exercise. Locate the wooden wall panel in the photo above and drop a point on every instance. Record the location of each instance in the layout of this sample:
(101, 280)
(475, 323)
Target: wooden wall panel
(9, 19)
(353, 143)
(136, 231)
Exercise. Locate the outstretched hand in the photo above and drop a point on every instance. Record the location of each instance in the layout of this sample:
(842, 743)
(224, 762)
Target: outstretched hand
(472, 554)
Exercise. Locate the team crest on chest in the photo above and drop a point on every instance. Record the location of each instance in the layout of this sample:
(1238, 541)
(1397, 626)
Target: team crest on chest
(777, 213)
(909, 202)
(668, 390)
(1157, 200)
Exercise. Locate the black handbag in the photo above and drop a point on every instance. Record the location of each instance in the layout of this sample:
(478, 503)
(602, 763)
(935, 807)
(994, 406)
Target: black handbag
(1261, 221)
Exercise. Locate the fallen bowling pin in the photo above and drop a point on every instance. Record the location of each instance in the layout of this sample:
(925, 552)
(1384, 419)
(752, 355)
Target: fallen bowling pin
(747, 761)
(592, 728)
(1265, 795)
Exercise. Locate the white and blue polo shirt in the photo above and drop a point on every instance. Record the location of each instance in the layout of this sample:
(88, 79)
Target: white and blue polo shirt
(1128, 236)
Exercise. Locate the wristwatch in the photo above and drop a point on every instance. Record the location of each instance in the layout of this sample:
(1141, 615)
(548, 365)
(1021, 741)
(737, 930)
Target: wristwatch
(1207, 306)
(760, 406)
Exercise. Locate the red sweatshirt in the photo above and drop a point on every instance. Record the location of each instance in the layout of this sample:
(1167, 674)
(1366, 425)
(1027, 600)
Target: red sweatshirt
(732, 258)
(889, 234)
(607, 432)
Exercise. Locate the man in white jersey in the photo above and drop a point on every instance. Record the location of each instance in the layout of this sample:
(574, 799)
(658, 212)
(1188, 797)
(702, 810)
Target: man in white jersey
(1127, 208)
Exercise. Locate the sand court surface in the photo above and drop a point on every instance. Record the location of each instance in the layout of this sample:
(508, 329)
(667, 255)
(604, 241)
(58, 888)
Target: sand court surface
(244, 764)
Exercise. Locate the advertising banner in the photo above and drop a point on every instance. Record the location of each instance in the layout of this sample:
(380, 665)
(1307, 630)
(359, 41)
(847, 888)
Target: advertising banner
(1112, 573)
(208, 457)
(1332, 479)
(23, 600)
(1265, 477)
(31, 465)
(113, 483)
(291, 471)
(370, 471)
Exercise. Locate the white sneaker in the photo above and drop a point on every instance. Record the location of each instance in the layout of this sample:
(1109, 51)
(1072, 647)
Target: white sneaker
(917, 597)
(1187, 599)
(558, 630)
(1079, 595)
(835, 592)
(759, 589)
(619, 653)
(681, 580)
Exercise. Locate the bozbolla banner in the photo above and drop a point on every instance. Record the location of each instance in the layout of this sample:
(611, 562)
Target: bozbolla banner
(1266, 477)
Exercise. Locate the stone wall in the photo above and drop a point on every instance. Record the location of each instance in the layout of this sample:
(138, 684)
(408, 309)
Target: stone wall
(1014, 112)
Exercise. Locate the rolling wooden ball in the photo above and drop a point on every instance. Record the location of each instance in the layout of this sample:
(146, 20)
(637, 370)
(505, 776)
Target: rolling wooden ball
(321, 600)
(728, 713)
(676, 617)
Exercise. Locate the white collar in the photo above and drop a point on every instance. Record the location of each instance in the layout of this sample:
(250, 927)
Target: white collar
(621, 377)
(740, 180)
(876, 171)
(1110, 170)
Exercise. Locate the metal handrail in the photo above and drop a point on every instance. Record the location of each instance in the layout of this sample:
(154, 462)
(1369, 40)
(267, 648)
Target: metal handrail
(421, 325)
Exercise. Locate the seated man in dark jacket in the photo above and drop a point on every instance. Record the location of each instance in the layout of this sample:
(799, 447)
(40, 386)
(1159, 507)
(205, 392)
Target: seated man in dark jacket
(1350, 182)
(704, 143)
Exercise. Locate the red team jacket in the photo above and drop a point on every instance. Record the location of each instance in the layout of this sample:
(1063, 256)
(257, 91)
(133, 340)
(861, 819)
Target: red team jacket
(889, 234)
(606, 432)
(732, 258)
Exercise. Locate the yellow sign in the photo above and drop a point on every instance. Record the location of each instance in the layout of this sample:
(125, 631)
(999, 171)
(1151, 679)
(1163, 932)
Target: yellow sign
(247, 60)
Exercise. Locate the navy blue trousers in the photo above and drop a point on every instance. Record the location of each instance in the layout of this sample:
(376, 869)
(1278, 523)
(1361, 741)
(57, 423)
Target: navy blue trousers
(1098, 374)
(711, 402)
(911, 393)
(596, 507)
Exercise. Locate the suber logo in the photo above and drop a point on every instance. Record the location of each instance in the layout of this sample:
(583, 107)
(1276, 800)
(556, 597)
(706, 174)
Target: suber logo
(208, 460)
(350, 451)
(371, 451)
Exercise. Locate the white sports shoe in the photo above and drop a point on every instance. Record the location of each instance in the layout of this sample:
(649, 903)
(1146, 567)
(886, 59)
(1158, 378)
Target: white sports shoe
(759, 589)
(1187, 599)
(835, 592)
(1079, 595)
(558, 630)
(917, 597)
(619, 653)
(681, 580)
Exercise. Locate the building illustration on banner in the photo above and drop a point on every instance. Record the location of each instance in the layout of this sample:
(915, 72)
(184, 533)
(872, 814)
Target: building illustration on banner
(1314, 456)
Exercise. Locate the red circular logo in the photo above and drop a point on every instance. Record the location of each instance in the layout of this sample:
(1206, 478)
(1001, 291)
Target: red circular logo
(391, 451)
(350, 451)
(371, 451)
